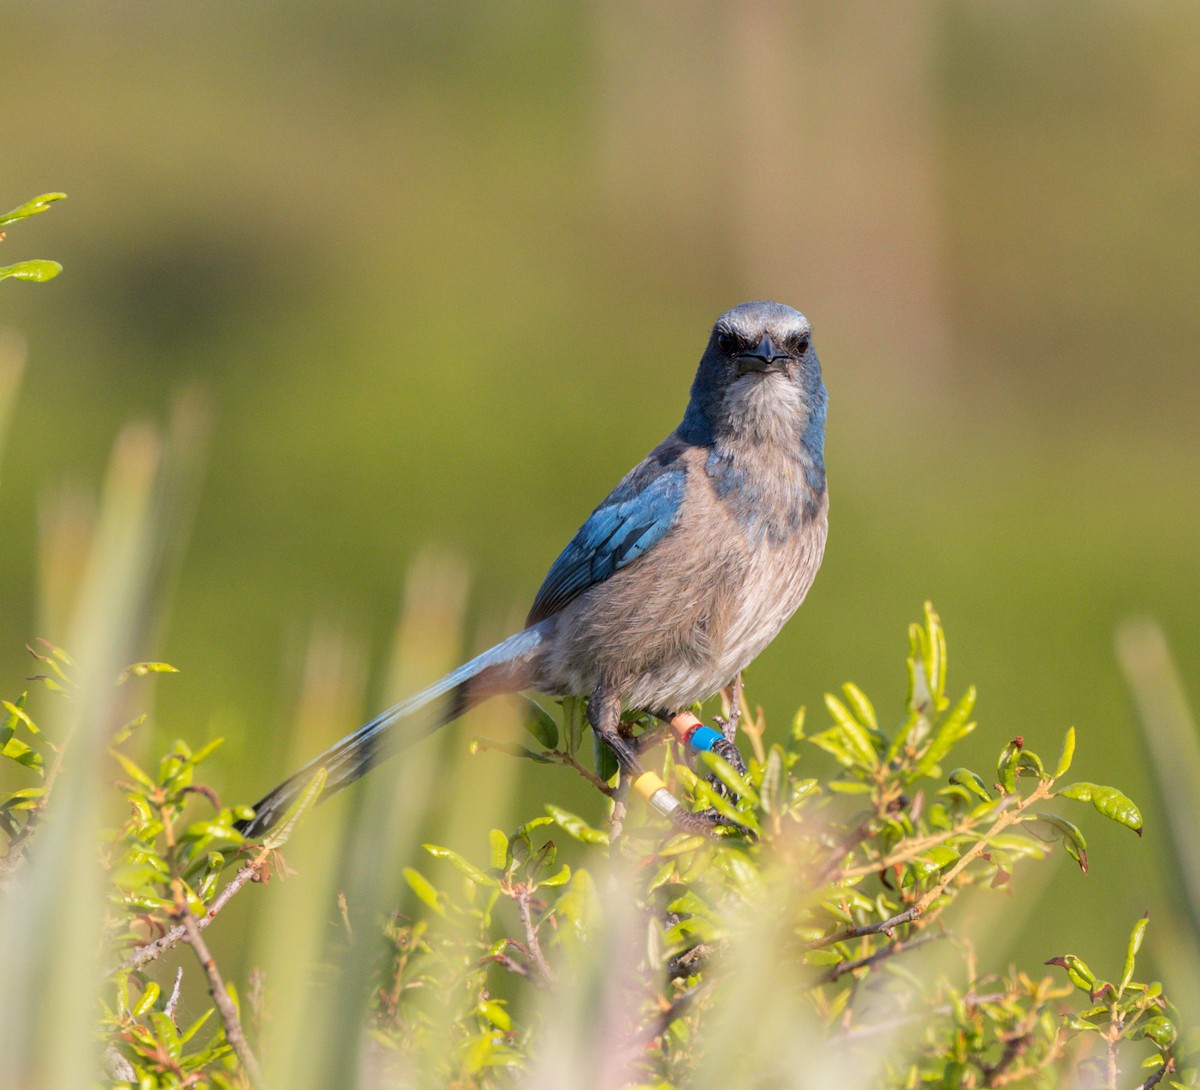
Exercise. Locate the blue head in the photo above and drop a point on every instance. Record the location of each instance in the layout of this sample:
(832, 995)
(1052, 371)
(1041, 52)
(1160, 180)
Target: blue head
(759, 382)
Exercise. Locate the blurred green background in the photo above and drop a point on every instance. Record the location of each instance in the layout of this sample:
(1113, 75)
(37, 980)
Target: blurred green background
(441, 273)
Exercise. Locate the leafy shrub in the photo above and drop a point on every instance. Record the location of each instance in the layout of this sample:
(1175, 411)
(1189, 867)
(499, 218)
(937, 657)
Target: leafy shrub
(660, 958)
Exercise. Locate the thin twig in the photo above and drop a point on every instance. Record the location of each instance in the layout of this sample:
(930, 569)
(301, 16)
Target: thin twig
(620, 807)
(19, 843)
(1158, 1076)
(908, 851)
(569, 760)
(522, 896)
(216, 988)
(858, 1033)
(173, 1001)
(662, 1021)
(509, 963)
(730, 727)
(886, 926)
(996, 1074)
(149, 951)
(896, 946)
(918, 907)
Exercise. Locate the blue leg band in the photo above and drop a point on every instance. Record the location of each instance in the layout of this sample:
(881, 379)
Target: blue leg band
(705, 738)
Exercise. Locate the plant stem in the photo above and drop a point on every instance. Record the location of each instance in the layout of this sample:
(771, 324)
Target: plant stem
(218, 991)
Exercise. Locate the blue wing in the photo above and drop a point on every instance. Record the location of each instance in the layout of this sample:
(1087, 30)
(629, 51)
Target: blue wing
(634, 518)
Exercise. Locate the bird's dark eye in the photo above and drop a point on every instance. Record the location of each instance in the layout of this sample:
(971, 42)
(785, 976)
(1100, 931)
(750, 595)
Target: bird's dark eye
(801, 346)
(726, 342)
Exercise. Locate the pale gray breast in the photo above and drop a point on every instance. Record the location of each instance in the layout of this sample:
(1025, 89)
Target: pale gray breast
(748, 603)
(775, 585)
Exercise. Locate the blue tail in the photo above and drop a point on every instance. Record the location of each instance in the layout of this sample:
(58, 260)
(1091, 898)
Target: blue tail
(506, 668)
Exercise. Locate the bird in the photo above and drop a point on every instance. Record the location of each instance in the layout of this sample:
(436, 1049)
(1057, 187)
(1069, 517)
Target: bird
(674, 584)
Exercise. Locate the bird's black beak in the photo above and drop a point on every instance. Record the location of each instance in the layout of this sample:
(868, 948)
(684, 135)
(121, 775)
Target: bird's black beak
(765, 357)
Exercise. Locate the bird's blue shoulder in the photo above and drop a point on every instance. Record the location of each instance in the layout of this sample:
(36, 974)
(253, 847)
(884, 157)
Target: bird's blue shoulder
(633, 518)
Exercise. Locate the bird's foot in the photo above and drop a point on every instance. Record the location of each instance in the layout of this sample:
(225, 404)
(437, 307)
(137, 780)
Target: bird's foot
(729, 752)
(706, 822)
(699, 739)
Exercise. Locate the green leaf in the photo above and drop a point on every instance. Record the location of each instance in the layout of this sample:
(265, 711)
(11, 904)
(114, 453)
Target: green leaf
(167, 1034)
(1068, 752)
(1135, 944)
(16, 750)
(540, 724)
(479, 745)
(1031, 763)
(920, 870)
(574, 719)
(216, 830)
(559, 879)
(1161, 1031)
(1051, 827)
(927, 664)
(494, 1012)
(801, 789)
(972, 781)
(207, 750)
(421, 886)
(941, 856)
(141, 669)
(463, 866)
(856, 738)
(701, 790)
(498, 845)
(16, 710)
(122, 733)
(148, 999)
(690, 903)
(196, 1026)
(25, 799)
(37, 271)
(863, 709)
(1006, 766)
(950, 732)
(691, 928)
(831, 742)
(918, 686)
(604, 759)
(773, 787)
(849, 787)
(9, 726)
(728, 775)
(280, 835)
(1081, 976)
(30, 208)
(1108, 801)
(523, 831)
(132, 770)
(937, 641)
(575, 825)
(1081, 792)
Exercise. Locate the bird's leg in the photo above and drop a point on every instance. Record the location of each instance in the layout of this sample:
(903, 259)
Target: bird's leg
(696, 736)
(604, 713)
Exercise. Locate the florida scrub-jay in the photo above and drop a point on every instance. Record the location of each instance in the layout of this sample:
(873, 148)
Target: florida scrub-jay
(675, 583)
